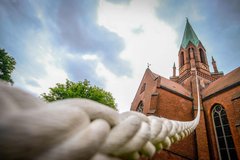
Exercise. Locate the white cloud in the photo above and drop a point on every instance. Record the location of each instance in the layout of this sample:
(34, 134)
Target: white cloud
(89, 57)
(147, 40)
(156, 44)
(44, 56)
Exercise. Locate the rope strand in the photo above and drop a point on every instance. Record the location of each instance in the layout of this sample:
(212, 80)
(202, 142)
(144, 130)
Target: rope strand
(81, 129)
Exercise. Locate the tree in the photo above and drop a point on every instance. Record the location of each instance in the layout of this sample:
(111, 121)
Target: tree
(79, 90)
(7, 65)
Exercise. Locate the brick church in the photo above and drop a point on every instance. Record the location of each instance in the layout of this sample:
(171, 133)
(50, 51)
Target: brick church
(218, 133)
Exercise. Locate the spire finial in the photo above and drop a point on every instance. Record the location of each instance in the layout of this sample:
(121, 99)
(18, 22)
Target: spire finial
(148, 65)
(189, 36)
(214, 65)
(174, 70)
(213, 60)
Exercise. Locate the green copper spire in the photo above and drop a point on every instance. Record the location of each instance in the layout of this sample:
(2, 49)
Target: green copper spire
(189, 36)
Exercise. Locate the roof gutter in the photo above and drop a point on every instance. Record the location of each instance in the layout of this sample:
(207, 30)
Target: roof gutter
(221, 91)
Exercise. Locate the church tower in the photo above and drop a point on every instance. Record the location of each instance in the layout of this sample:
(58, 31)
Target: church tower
(192, 56)
(218, 133)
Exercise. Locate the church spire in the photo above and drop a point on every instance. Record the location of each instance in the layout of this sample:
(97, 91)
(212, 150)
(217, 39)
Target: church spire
(174, 70)
(192, 55)
(214, 65)
(189, 36)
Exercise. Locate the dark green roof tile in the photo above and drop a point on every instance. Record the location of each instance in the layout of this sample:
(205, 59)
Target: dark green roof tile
(189, 36)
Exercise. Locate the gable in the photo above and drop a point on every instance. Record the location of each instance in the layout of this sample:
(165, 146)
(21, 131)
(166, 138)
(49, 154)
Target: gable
(172, 86)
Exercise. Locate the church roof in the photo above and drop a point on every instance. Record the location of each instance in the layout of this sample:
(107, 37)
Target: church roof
(175, 87)
(189, 36)
(229, 80)
(172, 86)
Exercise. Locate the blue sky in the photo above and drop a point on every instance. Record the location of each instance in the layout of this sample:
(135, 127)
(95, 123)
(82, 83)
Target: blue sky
(110, 42)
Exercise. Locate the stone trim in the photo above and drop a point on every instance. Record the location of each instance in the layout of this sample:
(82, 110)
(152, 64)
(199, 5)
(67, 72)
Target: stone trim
(195, 108)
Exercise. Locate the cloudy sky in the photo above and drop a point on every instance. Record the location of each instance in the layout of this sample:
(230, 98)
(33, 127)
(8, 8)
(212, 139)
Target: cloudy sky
(110, 42)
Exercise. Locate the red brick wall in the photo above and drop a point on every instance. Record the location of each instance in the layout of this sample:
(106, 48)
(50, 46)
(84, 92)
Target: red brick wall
(200, 66)
(168, 155)
(225, 99)
(170, 103)
(201, 135)
(166, 104)
(236, 105)
(174, 107)
(145, 96)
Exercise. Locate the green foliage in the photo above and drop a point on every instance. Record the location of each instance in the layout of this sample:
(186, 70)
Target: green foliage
(79, 90)
(7, 65)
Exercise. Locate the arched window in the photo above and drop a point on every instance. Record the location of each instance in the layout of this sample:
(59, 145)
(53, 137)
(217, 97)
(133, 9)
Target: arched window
(202, 56)
(194, 56)
(189, 54)
(223, 134)
(140, 107)
(181, 59)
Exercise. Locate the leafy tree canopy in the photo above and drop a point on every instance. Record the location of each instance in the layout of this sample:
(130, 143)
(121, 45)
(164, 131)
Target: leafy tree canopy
(79, 90)
(7, 65)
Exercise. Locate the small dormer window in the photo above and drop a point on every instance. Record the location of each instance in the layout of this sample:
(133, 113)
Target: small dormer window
(202, 56)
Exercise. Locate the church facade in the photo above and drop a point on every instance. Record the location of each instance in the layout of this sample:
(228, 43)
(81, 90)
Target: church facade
(218, 133)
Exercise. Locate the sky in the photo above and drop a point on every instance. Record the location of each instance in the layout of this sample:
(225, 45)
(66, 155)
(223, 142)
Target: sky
(110, 42)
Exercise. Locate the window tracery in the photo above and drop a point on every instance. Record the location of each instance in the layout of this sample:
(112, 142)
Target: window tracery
(223, 134)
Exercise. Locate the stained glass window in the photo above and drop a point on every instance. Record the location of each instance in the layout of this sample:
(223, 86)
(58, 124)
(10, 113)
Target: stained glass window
(224, 138)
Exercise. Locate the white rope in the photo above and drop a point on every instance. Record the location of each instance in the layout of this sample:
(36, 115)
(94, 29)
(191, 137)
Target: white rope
(81, 129)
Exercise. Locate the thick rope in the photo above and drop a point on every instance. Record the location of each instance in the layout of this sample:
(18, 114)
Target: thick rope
(81, 129)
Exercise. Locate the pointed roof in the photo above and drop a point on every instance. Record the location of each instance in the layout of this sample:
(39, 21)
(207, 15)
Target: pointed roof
(189, 36)
(170, 85)
(213, 60)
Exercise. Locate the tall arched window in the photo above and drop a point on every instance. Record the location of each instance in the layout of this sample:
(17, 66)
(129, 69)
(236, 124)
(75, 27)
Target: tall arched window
(189, 54)
(140, 107)
(223, 134)
(202, 56)
(181, 59)
(194, 56)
